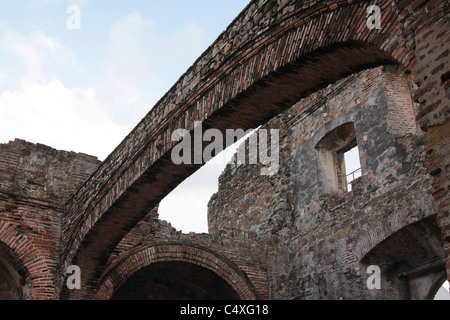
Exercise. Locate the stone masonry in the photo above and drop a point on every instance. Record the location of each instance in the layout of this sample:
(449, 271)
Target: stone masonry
(313, 70)
(35, 183)
(325, 236)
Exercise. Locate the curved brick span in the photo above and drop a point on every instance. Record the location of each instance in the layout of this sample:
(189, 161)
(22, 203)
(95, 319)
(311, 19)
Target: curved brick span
(273, 54)
(139, 258)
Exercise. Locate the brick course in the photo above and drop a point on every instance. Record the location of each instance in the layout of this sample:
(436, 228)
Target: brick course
(36, 181)
(283, 46)
(270, 57)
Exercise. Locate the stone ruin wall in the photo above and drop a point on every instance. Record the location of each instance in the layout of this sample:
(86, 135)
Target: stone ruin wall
(35, 183)
(291, 236)
(323, 235)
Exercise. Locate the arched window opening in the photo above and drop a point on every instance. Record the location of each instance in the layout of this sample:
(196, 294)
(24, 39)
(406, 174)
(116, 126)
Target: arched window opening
(352, 166)
(339, 162)
(10, 288)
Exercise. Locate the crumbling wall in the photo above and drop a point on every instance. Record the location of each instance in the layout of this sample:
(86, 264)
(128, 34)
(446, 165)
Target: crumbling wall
(248, 255)
(41, 172)
(35, 182)
(321, 233)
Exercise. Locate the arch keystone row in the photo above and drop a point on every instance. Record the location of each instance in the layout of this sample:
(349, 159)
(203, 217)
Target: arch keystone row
(136, 259)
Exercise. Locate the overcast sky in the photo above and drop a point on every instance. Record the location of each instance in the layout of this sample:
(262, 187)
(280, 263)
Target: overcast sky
(84, 89)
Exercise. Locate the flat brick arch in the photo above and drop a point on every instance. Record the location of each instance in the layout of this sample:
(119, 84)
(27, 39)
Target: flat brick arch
(409, 255)
(299, 48)
(142, 257)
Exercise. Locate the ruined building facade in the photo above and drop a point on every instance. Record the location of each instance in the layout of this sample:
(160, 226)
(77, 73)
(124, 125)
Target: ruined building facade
(327, 232)
(298, 234)
(302, 233)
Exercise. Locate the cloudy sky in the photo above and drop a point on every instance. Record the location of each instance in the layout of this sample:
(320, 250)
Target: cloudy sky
(78, 75)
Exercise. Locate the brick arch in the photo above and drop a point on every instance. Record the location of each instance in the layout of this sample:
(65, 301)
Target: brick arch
(380, 232)
(302, 47)
(16, 269)
(406, 250)
(142, 257)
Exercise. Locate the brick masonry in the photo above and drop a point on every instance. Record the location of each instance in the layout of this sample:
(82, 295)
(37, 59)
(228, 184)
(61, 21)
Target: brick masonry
(272, 55)
(326, 238)
(35, 183)
(242, 262)
(300, 46)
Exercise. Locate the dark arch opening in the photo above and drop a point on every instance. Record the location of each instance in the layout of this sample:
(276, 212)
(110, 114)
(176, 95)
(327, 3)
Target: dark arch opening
(411, 260)
(10, 279)
(265, 98)
(175, 281)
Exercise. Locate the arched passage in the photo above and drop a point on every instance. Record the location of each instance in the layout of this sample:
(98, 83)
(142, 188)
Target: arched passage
(234, 84)
(175, 281)
(197, 272)
(411, 261)
(9, 282)
(14, 284)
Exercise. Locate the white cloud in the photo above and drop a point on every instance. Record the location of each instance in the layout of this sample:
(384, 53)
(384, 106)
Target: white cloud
(43, 3)
(41, 108)
(186, 207)
(64, 118)
(37, 51)
(139, 60)
(131, 46)
(3, 78)
(188, 43)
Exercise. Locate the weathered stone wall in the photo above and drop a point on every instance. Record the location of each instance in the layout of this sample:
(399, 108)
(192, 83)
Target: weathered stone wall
(299, 46)
(247, 255)
(377, 102)
(271, 56)
(38, 171)
(35, 183)
(324, 235)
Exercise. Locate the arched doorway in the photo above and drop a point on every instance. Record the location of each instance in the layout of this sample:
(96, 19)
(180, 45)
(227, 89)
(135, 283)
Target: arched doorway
(175, 271)
(443, 293)
(175, 281)
(10, 279)
(9, 288)
(411, 260)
